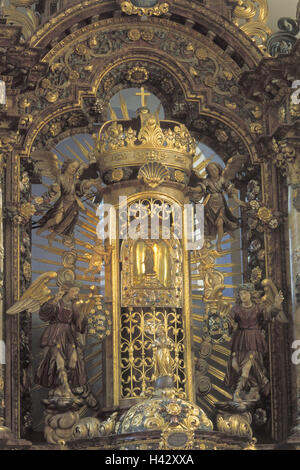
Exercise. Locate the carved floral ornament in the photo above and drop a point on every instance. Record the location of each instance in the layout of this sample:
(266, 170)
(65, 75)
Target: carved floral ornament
(285, 158)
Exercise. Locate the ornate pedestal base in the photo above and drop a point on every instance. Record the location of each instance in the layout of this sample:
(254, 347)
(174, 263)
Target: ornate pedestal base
(61, 415)
(235, 423)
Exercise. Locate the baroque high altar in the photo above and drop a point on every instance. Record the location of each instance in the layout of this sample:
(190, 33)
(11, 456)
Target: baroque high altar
(149, 225)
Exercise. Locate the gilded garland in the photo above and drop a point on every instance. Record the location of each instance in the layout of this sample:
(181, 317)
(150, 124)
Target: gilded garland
(144, 7)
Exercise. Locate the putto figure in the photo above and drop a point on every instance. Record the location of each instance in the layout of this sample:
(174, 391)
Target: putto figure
(70, 184)
(100, 255)
(219, 219)
(246, 373)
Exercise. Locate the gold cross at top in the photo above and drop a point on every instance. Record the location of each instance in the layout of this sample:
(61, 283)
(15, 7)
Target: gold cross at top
(143, 95)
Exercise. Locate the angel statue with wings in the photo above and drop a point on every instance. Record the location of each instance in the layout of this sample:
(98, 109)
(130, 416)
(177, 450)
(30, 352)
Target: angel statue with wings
(246, 374)
(70, 184)
(62, 367)
(219, 219)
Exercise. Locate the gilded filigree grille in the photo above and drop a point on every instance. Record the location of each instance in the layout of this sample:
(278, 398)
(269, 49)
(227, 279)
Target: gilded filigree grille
(137, 349)
(146, 211)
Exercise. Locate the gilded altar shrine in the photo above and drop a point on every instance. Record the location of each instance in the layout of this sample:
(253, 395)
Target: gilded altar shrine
(149, 221)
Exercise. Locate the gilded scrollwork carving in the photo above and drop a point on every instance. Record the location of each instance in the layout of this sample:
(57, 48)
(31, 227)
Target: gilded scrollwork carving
(144, 7)
(235, 424)
(252, 16)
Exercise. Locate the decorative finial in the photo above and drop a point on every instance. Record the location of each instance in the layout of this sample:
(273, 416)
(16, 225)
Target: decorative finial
(143, 95)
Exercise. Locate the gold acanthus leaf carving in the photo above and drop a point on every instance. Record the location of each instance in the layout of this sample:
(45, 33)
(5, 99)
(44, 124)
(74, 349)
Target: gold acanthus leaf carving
(151, 133)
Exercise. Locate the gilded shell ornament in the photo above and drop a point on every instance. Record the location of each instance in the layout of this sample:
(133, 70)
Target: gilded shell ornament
(153, 174)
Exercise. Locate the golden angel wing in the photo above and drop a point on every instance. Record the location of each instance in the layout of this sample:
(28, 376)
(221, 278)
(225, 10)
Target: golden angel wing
(46, 163)
(233, 166)
(270, 292)
(35, 296)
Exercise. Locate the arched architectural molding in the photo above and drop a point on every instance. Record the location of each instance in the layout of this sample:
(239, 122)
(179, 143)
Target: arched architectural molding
(205, 80)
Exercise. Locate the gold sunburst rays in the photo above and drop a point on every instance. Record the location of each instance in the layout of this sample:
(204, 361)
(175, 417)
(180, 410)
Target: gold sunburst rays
(82, 277)
(198, 317)
(123, 106)
(91, 356)
(93, 206)
(82, 269)
(87, 252)
(48, 261)
(197, 297)
(75, 154)
(197, 339)
(218, 360)
(228, 240)
(230, 286)
(201, 166)
(201, 297)
(91, 215)
(233, 274)
(84, 258)
(156, 114)
(95, 377)
(91, 224)
(87, 229)
(211, 399)
(197, 259)
(85, 152)
(227, 252)
(218, 374)
(88, 216)
(222, 391)
(204, 404)
(96, 365)
(221, 349)
(113, 115)
(226, 265)
(50, 249)
(65, 156)
(89, 346)
(88, 144)
(199, 156)
(88, 235)
(195, 313)
(83, 243)
(200, 277)
(58, 239)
